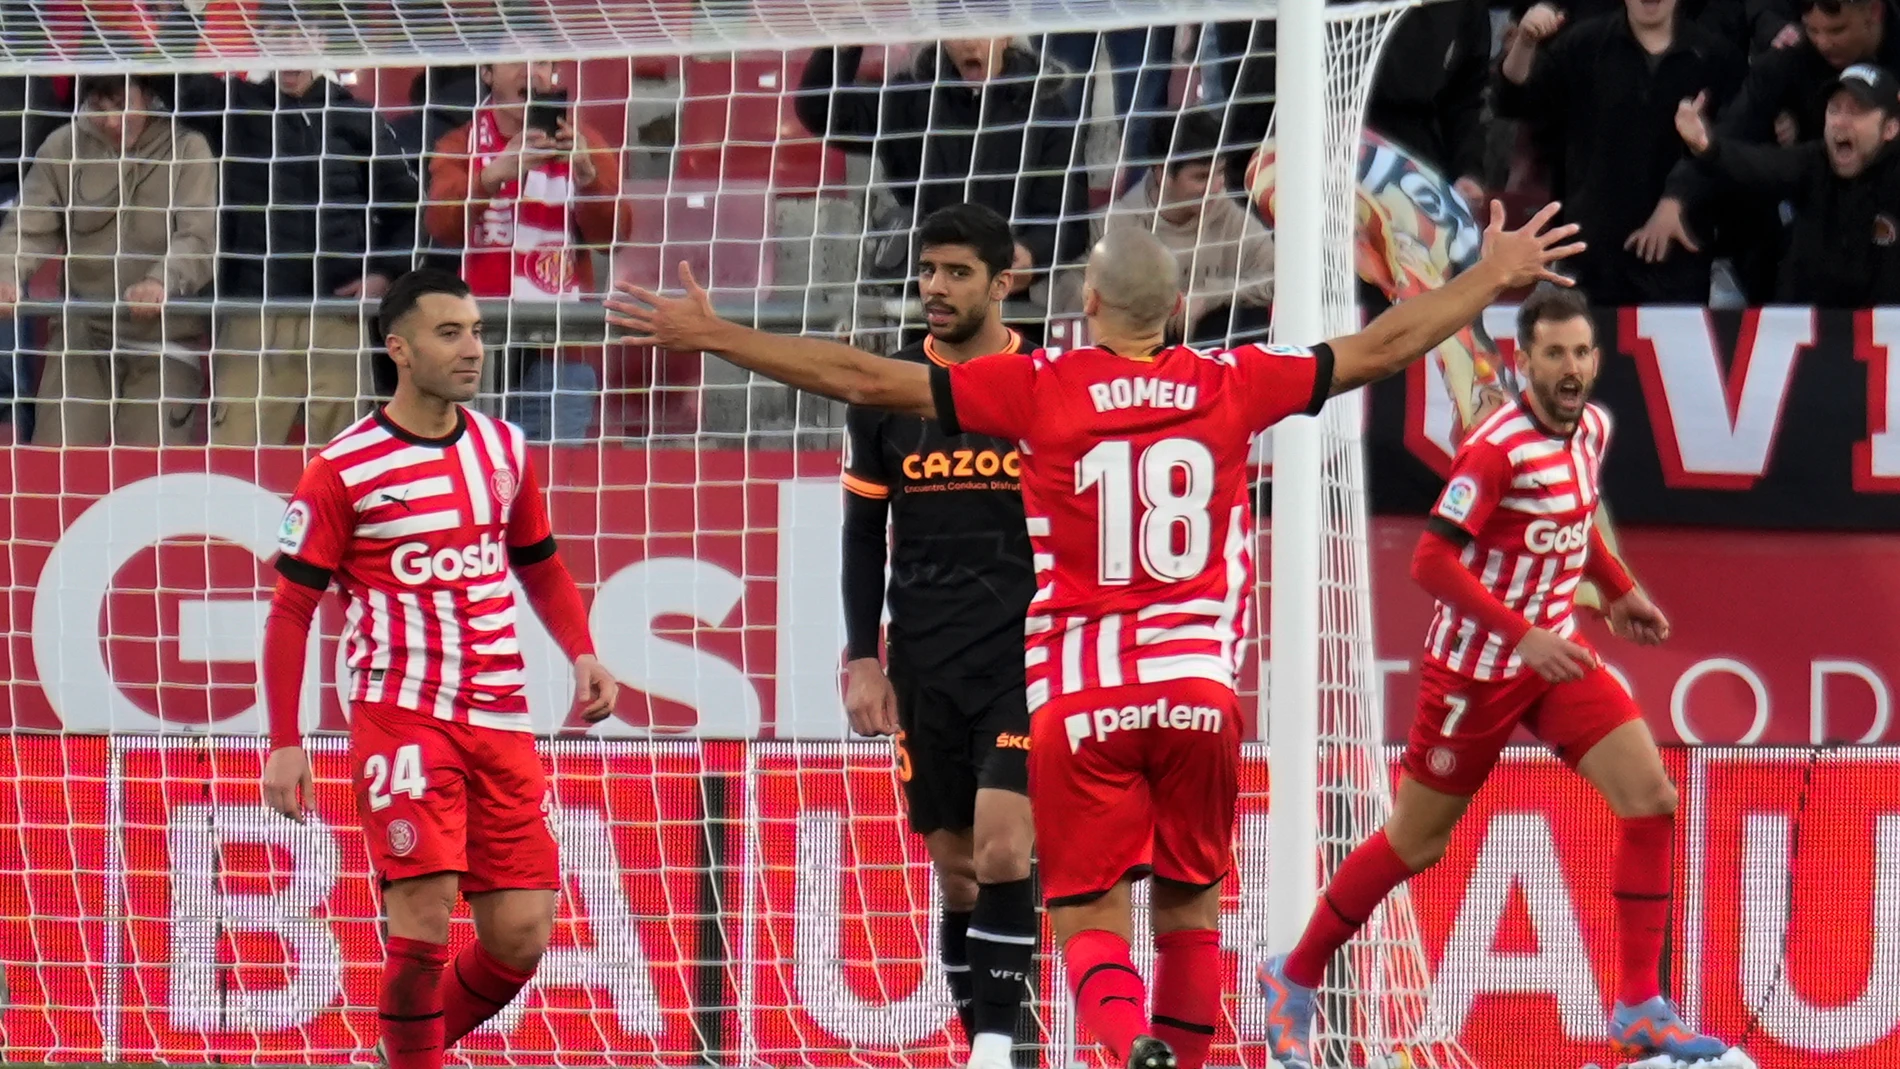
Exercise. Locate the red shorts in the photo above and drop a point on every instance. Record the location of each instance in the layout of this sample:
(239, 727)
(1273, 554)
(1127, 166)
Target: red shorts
(1463, 723)
(1132, 781)
(437, 796)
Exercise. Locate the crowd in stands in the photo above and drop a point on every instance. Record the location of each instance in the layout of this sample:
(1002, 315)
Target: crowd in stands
(215, 239)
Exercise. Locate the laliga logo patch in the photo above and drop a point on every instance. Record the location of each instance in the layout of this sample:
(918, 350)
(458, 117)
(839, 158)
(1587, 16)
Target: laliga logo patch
(402, 837)
(1441, 761)
(1460, 494)
(503, 484)
(296, 525)
(1885, 230)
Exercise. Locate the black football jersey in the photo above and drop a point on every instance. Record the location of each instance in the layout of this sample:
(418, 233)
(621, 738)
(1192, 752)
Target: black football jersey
(962, 572)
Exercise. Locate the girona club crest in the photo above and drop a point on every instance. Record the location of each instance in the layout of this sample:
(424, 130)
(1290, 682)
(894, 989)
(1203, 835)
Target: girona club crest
(402, 837)
(503, 484)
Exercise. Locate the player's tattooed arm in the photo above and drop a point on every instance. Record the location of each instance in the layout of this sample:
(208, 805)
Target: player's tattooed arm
(827, 368)
(1512, 259)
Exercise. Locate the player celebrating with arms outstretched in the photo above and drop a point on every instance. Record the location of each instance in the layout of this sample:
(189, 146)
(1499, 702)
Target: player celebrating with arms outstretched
(1134, 483)
(420, 512)
(1509, 541)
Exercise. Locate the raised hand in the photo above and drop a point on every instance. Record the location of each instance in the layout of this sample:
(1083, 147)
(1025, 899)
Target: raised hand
(1525, 256)
(685, 323)
(1691, 125)
(1541, 22)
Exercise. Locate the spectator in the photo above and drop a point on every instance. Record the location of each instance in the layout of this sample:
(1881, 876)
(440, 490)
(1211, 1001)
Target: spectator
(317, 204)
(128, 198)
(1427, 95)
(530, 205)
(1608, 87)
(440, 99)
(1783, 100)
(1844, 248)
(1140, 63)
(1226, 254)
(1786, 94)
(29, 110)
(972, 120)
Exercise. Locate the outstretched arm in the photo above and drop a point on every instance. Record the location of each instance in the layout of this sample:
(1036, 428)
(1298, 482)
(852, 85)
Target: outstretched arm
(827, 368)
(1405, 332)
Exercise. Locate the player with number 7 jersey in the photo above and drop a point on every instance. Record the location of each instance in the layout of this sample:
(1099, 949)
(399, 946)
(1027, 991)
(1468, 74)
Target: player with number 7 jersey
(1134, 482)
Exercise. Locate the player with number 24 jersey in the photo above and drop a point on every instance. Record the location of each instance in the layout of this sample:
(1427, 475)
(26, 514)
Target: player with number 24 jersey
(423, 513)
(1134, 482)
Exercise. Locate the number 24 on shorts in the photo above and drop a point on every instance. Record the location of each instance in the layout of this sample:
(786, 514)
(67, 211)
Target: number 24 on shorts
(400, 776)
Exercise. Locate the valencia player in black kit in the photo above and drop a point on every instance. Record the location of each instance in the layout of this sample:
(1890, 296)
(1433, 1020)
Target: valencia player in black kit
(961, 576)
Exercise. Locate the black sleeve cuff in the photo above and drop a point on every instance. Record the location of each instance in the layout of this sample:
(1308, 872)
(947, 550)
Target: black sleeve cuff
(303, 573)
(1322, 378)
(1449, 531)
(946, 400)
(523, 556)
(866, 536)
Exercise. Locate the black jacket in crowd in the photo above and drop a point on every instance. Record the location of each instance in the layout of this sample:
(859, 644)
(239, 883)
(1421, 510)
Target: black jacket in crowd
(30, 108)
(1427, 95)
(1844, 240)
(1798, 81)
(1008, 144)
(1612, 107)
(315, 191)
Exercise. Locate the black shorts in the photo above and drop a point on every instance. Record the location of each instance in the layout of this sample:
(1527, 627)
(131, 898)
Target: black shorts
(958, 736)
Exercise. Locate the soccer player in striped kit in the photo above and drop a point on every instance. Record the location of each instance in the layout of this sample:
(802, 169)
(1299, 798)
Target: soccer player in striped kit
(1507, 544)
(421, 512)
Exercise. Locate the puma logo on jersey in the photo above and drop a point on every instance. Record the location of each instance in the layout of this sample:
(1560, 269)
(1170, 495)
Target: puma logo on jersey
(1157, 714)
(1142, 392)
(1546, 536)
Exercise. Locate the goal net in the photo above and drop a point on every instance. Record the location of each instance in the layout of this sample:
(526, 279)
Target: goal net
(208, 194)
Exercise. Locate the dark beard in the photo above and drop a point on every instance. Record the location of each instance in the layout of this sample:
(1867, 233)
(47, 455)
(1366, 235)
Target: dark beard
(1552, 402)
(961, 330)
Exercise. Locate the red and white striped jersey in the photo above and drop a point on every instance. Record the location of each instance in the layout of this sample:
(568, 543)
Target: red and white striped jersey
(1135, 492)
(418, 533)
(1527, 497)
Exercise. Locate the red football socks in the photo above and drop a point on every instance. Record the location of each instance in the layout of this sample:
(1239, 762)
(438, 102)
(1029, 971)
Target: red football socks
(1109, 997)
(1187, 993)
(411, 1004)
(1642, 887)
(475, 987)
(1362, 882)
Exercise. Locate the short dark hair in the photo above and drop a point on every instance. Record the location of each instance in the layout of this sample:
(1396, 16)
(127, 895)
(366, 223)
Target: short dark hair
(406, 292)
(1549, 304)
(984, 231)
(117, 87)
(1193, 137)
(1828, 7)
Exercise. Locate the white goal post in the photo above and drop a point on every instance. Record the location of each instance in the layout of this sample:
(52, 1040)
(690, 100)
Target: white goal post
(742, 890)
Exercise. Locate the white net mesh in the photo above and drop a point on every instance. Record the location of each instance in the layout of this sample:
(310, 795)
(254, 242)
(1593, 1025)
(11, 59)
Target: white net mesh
(741, 888)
